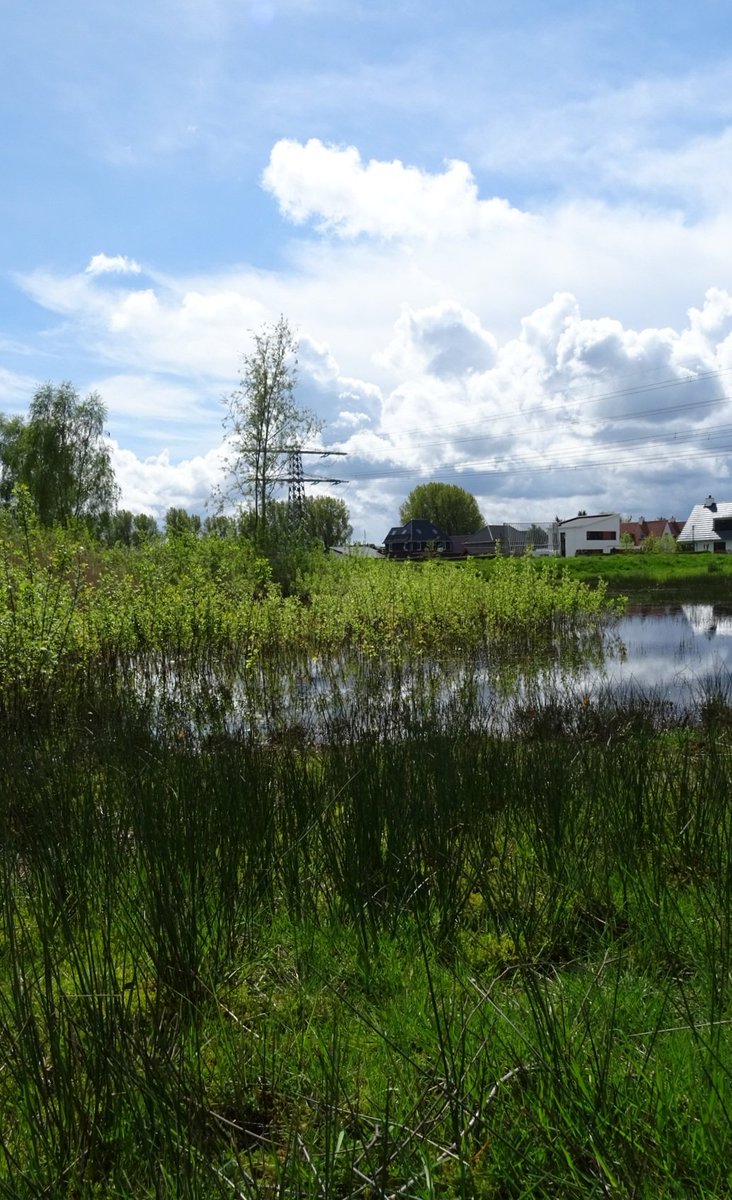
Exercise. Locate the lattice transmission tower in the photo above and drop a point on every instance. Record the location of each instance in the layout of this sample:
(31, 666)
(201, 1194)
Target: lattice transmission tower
(295, 478)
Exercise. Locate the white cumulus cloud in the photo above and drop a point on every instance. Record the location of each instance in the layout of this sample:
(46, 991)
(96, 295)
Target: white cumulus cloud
(575, 355)
(444, 340)
(155, 483)
(118, 264)
(383, 199)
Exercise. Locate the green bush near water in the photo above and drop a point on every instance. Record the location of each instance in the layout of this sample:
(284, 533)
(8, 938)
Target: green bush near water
(67, 605)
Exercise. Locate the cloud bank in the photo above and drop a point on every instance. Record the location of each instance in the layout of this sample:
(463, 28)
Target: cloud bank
(548, 359)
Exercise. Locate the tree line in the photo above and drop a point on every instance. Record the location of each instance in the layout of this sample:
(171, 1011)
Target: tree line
(59, 457)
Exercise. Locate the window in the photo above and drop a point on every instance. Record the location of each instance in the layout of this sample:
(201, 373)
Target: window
(601, 535)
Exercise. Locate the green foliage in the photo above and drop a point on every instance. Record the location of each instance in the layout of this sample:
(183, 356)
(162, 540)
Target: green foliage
(653, 544)
(537, 537)
(449, 507)
(283, 916)
(144, 529)
(290, 550)
(439, 964)
(191, 595)
(398, 609)
(179, 523)
(675, 576)
(12, 455)
(60, 456)
(42, 583)
(220, 525)
(326, 518)
(126, 529)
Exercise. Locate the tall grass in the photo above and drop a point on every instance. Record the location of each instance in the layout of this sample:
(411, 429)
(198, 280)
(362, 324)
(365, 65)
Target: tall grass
(443, 964)
(66, 608)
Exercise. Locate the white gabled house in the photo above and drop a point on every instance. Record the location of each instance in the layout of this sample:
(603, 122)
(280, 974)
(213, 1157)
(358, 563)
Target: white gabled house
(597, 534)
(709, 527)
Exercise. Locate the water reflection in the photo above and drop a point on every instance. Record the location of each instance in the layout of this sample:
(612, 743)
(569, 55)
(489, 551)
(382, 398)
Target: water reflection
(660, 644)
(650, 668)
(708, 619)
(677, 656)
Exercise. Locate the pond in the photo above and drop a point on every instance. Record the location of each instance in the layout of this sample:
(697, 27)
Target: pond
(675, 651)
(652, 668)
(669, 665)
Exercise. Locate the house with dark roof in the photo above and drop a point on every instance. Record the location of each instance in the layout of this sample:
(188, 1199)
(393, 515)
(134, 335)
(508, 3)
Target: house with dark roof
(421, 537)
(417, 538)
(708, 527)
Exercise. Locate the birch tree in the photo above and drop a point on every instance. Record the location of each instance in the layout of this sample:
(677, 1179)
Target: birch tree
(60, 454)
(264, 422)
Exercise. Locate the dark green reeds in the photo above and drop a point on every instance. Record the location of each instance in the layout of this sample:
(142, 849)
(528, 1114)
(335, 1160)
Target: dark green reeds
(444, 963)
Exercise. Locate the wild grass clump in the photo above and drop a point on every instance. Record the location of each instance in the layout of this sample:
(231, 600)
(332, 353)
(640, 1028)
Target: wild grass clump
(288, 909)
(433, 606)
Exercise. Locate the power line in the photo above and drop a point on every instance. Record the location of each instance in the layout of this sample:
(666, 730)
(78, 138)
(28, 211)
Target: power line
(296, 479)
(648, 412)
(570, 405)
(651, 412)
(524, 466)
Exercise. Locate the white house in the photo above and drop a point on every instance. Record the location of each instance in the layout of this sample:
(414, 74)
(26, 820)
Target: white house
(709, 527)
(597, 534)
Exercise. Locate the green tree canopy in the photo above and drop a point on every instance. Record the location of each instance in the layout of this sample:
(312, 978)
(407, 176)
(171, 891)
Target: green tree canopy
(123, 528)
(144, 529)
(218, 525)
(180, 523)
(449, 507)
(326, 518)
(537, 536)
(58, 452)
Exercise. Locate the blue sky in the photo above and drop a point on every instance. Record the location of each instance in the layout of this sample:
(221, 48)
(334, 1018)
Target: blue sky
(503, 234)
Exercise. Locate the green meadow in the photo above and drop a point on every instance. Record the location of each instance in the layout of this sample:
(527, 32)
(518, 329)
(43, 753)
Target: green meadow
(658, 577)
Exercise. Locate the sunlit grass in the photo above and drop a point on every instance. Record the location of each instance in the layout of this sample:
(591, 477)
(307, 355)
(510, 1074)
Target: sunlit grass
(677, 575)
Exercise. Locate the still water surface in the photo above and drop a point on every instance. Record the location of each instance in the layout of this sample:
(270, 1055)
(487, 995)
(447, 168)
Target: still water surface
(667, 663)
(679, 654)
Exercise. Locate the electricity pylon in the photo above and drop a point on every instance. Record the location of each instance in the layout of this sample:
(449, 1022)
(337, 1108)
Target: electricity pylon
(295, 478)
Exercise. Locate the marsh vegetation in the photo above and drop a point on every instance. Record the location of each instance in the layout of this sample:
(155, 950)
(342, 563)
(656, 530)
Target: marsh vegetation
(391, 952)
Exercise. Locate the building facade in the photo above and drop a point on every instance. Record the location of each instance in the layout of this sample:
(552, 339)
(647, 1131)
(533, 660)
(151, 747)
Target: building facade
(596, 534)
(708, 528)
